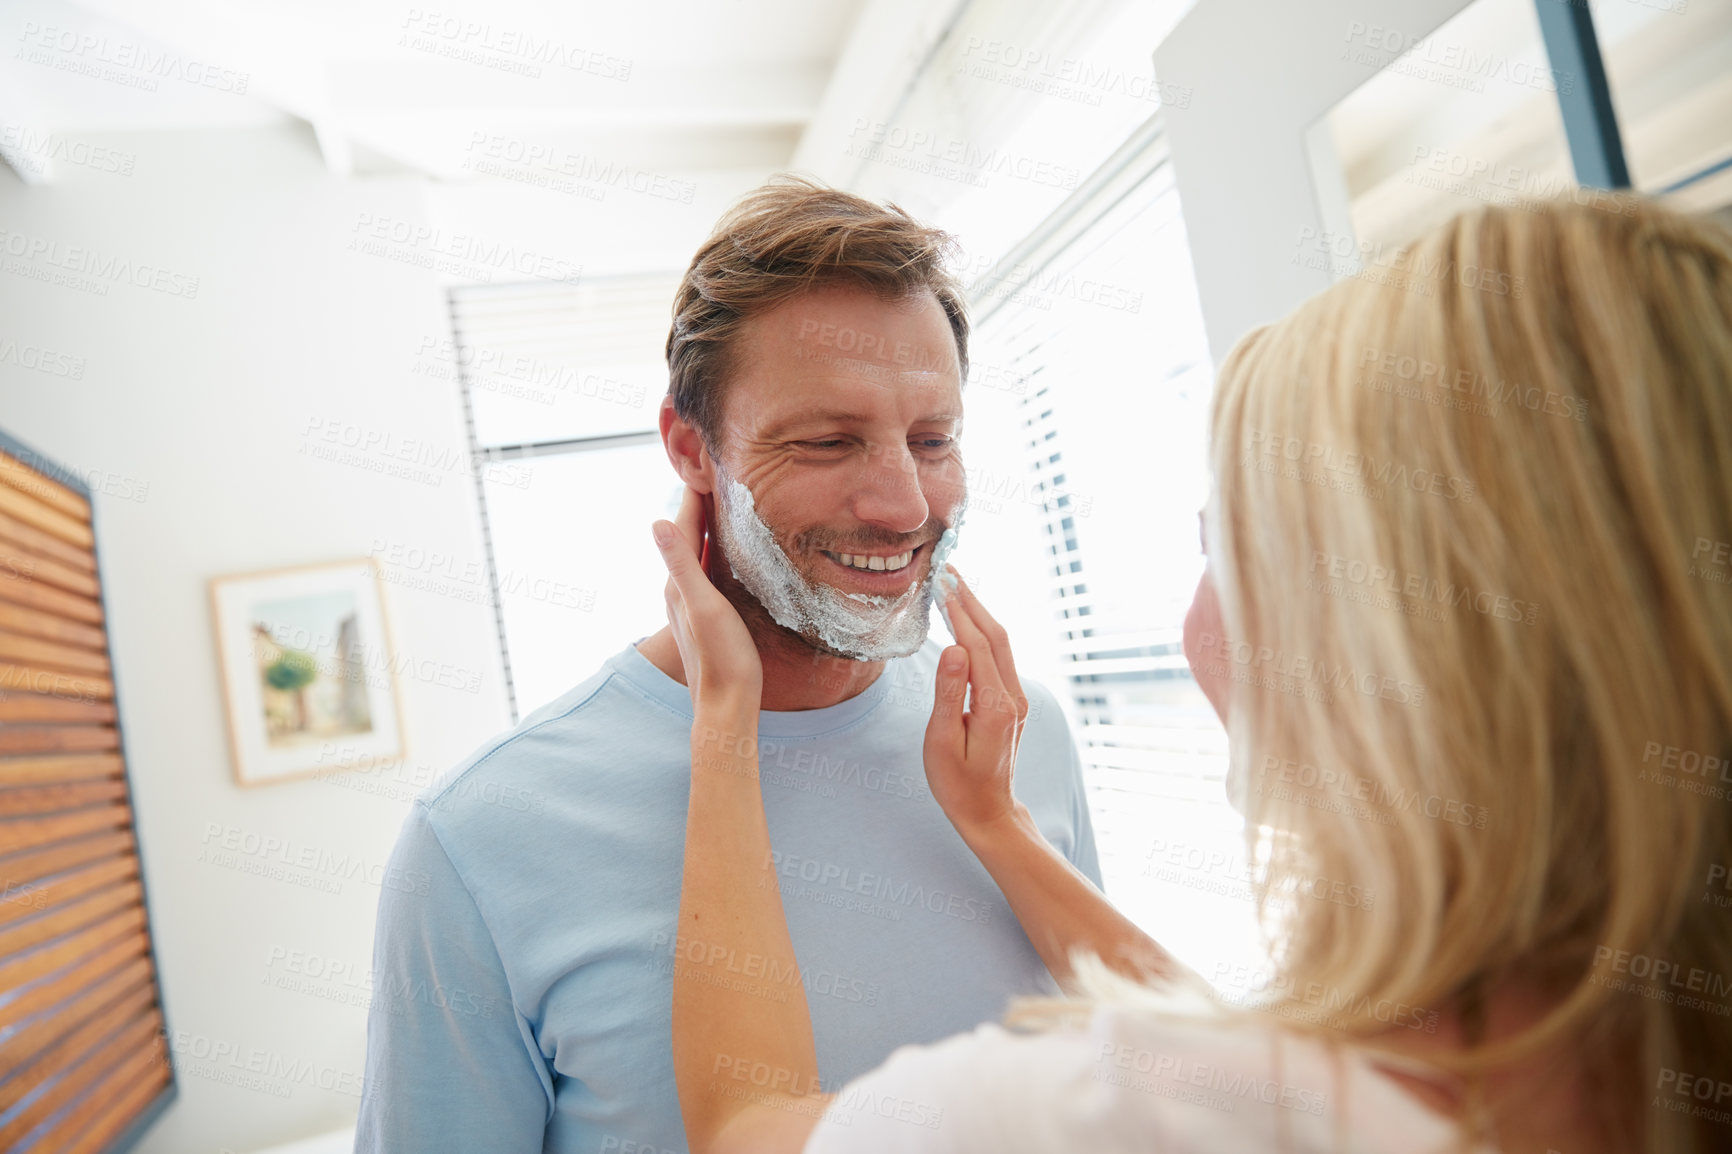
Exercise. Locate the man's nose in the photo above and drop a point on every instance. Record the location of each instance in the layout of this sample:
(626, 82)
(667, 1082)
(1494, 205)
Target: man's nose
(890, 494)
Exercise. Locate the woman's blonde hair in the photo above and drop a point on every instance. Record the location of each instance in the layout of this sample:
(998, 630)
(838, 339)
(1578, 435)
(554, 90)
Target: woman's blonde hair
(1469, 534)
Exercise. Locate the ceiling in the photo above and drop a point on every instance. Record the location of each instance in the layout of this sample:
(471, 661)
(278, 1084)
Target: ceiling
(434, 89)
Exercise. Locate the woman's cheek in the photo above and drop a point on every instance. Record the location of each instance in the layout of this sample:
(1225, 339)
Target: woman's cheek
(1204, 647)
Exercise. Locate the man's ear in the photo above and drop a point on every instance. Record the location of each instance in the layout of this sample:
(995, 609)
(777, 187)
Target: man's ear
(686, 449)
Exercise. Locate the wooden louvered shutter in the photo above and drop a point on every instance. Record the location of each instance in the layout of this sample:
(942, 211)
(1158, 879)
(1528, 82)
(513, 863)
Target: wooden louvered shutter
(83, 1066)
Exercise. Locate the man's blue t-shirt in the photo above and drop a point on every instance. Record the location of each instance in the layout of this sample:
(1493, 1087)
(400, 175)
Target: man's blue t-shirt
(523, 965)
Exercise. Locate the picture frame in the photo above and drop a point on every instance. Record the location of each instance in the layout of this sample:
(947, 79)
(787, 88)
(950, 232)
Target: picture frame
(309, 681)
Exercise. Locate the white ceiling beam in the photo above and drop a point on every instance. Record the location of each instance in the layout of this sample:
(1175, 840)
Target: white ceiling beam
(466, 145)
(26, 141)
(281, 78)
(884, 54)
(657, 92)
(335, 147)
(369, 104)
(26, 137)
(29, 169)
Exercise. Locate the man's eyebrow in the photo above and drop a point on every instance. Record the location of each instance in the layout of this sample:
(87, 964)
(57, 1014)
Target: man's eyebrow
(842, 417)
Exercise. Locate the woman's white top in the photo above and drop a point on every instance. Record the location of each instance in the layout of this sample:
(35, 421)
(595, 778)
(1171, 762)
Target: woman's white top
(1131, 1081)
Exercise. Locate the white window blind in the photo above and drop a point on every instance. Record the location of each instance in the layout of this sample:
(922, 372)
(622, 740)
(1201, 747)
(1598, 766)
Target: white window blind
(1093, 326)
(560, 386)
(548, 361)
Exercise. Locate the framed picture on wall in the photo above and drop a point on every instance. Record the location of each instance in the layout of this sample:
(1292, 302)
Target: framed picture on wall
(308, 678)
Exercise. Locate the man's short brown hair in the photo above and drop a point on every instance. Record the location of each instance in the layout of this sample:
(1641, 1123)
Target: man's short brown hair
(781, 240)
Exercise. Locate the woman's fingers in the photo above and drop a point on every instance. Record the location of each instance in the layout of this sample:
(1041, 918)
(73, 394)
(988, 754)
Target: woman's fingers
(990, 696)
(684, 553)
(686, 581)
(1005, 689)
(999, 640)
(716, 648)
(676, 549)
(674, 556)
(690, 520)
(944, 732)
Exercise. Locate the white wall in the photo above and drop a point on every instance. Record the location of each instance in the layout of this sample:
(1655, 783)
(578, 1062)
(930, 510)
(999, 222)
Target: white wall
(202, 404)
(1261, 74)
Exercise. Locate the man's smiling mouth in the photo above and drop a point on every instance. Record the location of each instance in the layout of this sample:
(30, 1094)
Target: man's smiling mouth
(875, 563)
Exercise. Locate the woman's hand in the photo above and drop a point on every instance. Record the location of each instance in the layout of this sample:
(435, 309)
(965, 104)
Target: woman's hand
(728, 893)
(971, 755)
(720, 658)
(970, 763)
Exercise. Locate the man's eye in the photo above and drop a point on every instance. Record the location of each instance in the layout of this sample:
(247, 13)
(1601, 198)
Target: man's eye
(821, 444)
(937, 442)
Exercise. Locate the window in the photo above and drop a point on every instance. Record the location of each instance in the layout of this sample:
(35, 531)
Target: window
(560, 388)
(1087, 437)
(1666, 66)
(1525, 99)
(1466, 114)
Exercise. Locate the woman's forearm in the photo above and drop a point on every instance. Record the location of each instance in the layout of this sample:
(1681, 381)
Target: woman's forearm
(1060, 909)
(744, 1059)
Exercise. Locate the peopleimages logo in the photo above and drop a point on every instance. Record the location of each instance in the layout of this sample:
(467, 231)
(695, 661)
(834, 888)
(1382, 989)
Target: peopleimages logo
(759, 968)
(35, 150)
(41, 360)
(1064, 77)
(455, 252)
(581, 174)
(487, 368)
(1422, 588)
(24, 894)
(1686, 1093)
(1718, 556)
(251, 852)
(1662, 980)
(1398, 266)
(1306, 676)
(777, 754)
(1718, 877)
(225, 1061)
(1232, 1084)
(1026, 281)
(90, 269)
(515, 50)
(1687, 769)
(779, 1080)
(879, 887)
(1315, 1002)
(1384, 800)
(613, 1144)
(1373, 476)
(1430, 378)
(1459, 65)
(1226, 874)
(135, 65)
(953, 156)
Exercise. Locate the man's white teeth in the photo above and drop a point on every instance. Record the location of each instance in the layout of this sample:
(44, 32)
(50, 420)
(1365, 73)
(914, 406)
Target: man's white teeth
(885, 564)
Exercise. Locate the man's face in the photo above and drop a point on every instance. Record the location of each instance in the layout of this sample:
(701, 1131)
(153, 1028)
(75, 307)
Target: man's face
(840, 449)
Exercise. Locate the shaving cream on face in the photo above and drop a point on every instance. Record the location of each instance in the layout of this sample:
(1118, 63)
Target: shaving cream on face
(858, 625)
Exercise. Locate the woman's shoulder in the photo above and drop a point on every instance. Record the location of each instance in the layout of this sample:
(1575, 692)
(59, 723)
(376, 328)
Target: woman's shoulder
(1125, 1079)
